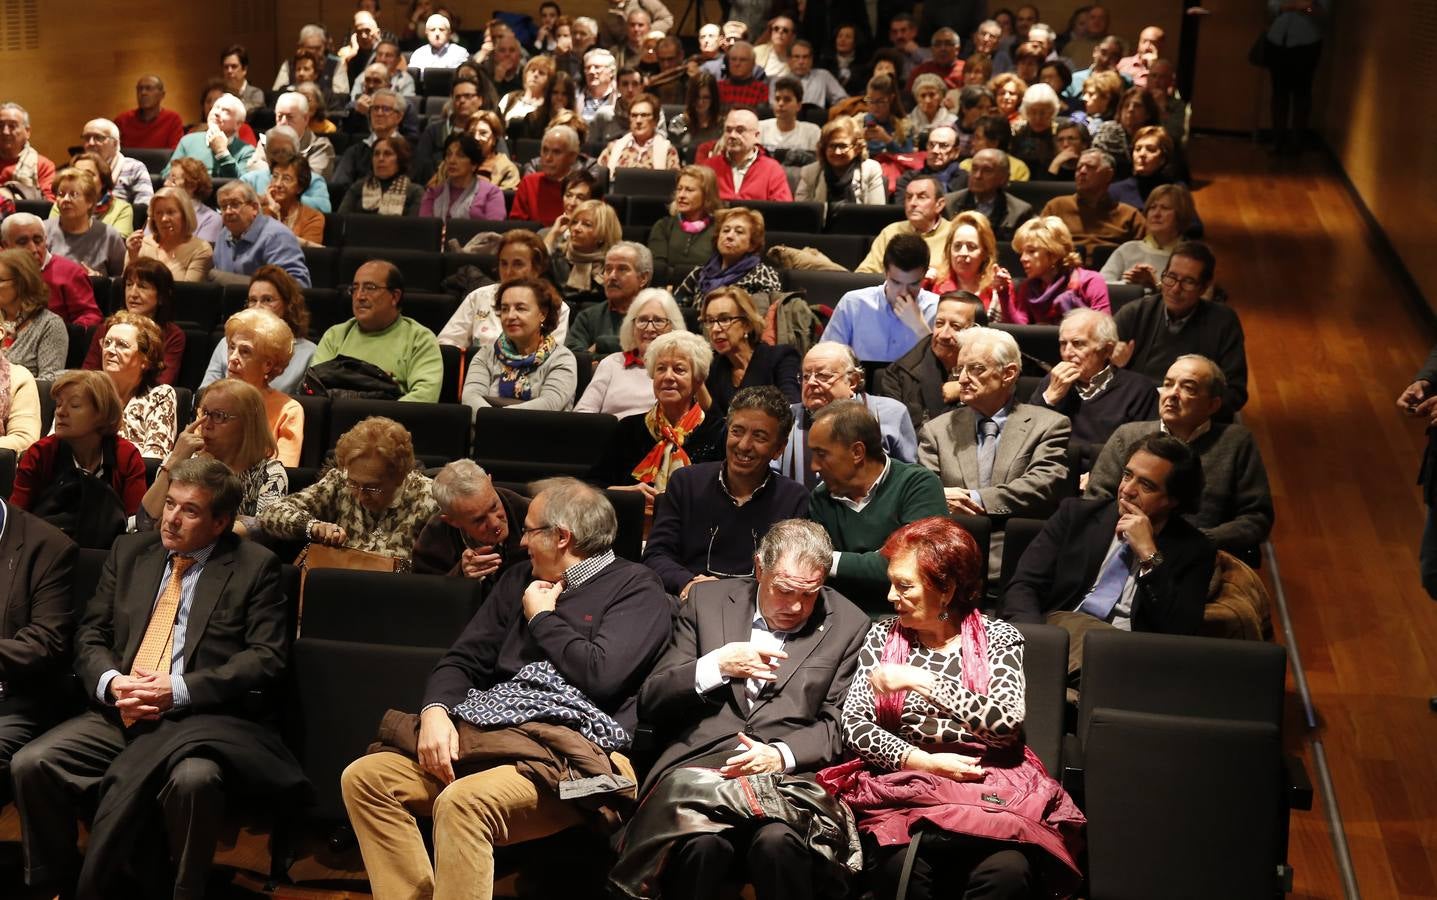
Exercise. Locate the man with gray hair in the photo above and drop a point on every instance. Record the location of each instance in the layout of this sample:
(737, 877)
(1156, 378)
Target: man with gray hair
(600, 90)
(149, 124)
(752, 683)
(72, 297)
(252, 240)
(385, 110)
(1085, 386)
(540, 195)
(988, 175)
(316, 38)
(628, 268)
(130, 176)
(474, 535)
(555, 657)
(1090, 213)
(19, 162)
(1236, 510)
(219, 146)
(292, 109)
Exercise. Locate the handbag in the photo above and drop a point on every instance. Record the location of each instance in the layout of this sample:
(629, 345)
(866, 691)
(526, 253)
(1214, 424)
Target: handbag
(1258, 54)
(346, 377)
(84, 507)
(323, 556)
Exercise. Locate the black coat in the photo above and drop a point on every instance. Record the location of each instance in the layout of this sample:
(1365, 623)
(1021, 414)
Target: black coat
(37, 564)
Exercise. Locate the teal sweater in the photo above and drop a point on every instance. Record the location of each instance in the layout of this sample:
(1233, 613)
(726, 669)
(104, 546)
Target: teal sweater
(909, 492)
(406, 350)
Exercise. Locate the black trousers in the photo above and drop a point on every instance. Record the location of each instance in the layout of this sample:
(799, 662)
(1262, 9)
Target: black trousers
(58, 774)
(16, 730)
(772, 857)
(1293, 71)
(951, 866)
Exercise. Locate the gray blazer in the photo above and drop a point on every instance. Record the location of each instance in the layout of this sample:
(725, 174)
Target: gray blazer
(802, 708)
(1029, 470)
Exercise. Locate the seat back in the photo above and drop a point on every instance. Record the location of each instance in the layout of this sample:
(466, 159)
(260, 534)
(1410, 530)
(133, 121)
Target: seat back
(645, 211)
(423, 269)
(1120, 295)
(827, 288)
(981, 527)
(1017, 535)
(196, 305)
(1038, 342)
(524, 444)
(392, 232)
(644, 182)
(440, 430)
(8, 462)
(847, 250)
(316, 429)
(385, 608)
(154, 158)
(1038, 193)
(1045, 669)
(321, 262)
(795, 215)
(196, 358)
(463, 230)
(862, 218)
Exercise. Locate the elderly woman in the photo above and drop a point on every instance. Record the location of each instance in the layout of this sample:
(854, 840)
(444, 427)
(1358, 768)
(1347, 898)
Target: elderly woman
(1153, 166)
(373, 499)
(928, 109)
(229, 426)
(149, 292)
(734, 329)
(191, 176)
(30, 335)
(702, 118)
(579, 269)
(76, 234)
(19, 407)
(518, 104)
(109, 209)
(843, 172)
(273, 289)
(170, 237)
(621, 386)
(678, 429)
(289, 178)
(684, 239)
(973, 263)
(84, 439)
(457, 191)
(737, 260)
(260, 345)
(475, 324)
(643, 147)
(525, 366)
(132, 357)
(387, 190)
(1170, 214)
(934, 715)
(1056, 280)
(1008, 91)
(1033, 142)
(494, 167)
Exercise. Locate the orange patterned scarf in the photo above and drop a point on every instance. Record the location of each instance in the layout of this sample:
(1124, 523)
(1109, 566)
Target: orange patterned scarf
(668, 454)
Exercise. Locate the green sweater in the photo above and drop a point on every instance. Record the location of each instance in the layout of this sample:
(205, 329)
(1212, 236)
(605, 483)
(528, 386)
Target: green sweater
(406, 350)
(908, 493)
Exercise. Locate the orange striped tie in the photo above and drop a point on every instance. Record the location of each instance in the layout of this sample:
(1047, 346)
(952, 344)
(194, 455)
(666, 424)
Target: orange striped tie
(156, 647)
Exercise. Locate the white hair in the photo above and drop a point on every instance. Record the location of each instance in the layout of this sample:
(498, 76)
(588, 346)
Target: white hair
(232, 102)
(313, 31)
(686, 344)
(1001, 346)
(799, 540)
(18, 220)
(296, 97)
(601, 56)
(1039, 94)
(435, 21)
(642, 299)
(1104, 329)
(460, 478)
(110, 128)
(588, 22)
(283, 131)
(567, 132)
(643, 256)
(15, 107)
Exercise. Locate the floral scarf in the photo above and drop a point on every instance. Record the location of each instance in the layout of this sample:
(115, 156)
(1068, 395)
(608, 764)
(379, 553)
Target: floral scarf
(4, 394)
(713, 275)
(668, 455)
(514, 380)
(387, 200)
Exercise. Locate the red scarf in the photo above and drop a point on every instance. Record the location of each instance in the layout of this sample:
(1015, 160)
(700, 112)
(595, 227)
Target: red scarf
(668, 454)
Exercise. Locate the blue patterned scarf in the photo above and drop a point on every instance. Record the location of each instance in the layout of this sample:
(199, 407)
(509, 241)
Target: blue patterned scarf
(538, 693)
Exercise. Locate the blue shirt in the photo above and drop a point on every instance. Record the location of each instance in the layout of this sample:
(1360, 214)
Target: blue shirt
(865, 321)
(316, 196)
(180, 693)
(267, 242)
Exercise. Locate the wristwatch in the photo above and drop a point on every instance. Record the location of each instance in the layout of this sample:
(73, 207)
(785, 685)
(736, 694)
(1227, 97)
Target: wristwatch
(1152, 562)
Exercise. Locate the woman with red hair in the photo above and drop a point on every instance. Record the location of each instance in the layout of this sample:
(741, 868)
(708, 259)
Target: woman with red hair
(934, 719)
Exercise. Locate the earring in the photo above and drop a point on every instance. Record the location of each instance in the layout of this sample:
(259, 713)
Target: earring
(943, 616)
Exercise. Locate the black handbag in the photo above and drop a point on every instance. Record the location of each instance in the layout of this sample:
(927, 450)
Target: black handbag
(1258, 54)
(86, 508)
(347, 377)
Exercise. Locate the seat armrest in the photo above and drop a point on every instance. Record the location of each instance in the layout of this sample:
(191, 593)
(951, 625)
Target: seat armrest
(1073, 767)
(1297, 782)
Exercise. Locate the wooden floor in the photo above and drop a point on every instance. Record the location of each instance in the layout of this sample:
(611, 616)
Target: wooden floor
(1331, 340)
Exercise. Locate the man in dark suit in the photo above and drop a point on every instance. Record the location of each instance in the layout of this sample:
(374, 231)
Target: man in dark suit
(36, 565)
(185, 624)
(1131, 562)
(752, 682)
(985, 193)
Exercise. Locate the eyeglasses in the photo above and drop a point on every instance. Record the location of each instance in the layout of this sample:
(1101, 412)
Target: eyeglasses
(977, 370)
(720, 321)
(709, 561)
(527, 530)
(840, 146)
(231, 205)
(217, 416)
(365, 287)
(283, 178)
(68, 195)
(390, 110)
(368, 490)
(1188, 284)
(941, 145)
(467, 96)
(822, 379)
(654, 323)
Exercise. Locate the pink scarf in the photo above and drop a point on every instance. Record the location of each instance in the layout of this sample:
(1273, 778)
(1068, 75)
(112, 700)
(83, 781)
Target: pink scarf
(888, 708)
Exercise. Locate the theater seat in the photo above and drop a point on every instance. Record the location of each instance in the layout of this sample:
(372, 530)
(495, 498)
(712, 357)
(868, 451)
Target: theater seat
(826, 288)
(316, 428)
(423, 270)
(1018, 533)
(463, 230)
(847, 250)
(393, 232)
(387, 608)
(196, 305)
(1037, 342)
(1038, 193)
(8, 461)
(645, 211)
(645, 182)
(1120, 295)
(440, 430)
(1045, 668)
(792, 214)
(155, 159)
(321, 262)
(525, 444)
(862, 218)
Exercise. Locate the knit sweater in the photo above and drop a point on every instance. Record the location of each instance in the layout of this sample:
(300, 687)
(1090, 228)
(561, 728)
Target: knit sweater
(906, 494)
(677, 248)
(1236, 508)
(406, 350)
(1213, 330)
(551, 383)
(41, 345)
(1104, 222)
(1129, 397)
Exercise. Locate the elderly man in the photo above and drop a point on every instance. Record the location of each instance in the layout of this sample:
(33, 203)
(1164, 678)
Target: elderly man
(600, 92)
(474, 535)
(708, 522)
(540, 195)
(820, 88)
(439, 52)
(130, 176)
(184, 638)
(865, 495)
(1158, 328)
(987, 38)
(628, 268)
(20, 162)
(72, 297)
(1236, 508)
(741, 85)
(832, 372)
(1085, 386)
(616, 23)
(465, 101)
(744, 170)
(219, 146)
(1150, 48)
(385, 110)
(922, 379)
(987, 177)
(253, 240)
(379, 334)
(572, 630)
(149, 124)
(922, 218)
(710, 43)
(629, 52)
(292, 109)
(363, 41)
(1094, 217)
(940, 163)
(752, 683)
(881, 323)
(1131, 562)
(944, 61)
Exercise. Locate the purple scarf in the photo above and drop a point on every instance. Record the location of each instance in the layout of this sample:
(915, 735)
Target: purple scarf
(1049, 306)
(713, 275)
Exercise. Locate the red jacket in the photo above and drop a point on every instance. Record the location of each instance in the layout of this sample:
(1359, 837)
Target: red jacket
(71, 296)
(37, 467)
(765, 179)
(538, 199)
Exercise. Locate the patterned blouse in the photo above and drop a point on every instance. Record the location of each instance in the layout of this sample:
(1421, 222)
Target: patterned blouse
(150, 421)
(391, 532)
(954, 715)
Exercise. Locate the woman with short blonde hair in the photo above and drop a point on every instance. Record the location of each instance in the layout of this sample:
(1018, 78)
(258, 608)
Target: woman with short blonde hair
(260, 346)
(685, 237)
(75, 233)
(1056, 280)
(593, 229)
(843, 173)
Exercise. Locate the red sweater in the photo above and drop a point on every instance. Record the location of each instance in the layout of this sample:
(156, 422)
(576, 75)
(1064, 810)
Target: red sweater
(765, 179)
(174, 353)
(37, 467)
(751, 93)
(161, 134)
(71, 296)
(538, 199)
(44, 174)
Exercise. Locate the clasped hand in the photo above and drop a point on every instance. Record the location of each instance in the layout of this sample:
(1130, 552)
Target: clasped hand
(541, 596)
(756, 758)
(145, 695)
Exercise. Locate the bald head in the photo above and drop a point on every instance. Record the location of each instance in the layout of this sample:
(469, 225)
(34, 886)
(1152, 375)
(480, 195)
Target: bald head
(740, 135)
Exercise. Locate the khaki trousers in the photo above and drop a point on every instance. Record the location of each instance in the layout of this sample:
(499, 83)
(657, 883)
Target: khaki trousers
(384, 792)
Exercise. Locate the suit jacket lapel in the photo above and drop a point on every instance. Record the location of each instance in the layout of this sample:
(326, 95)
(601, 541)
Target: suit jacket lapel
(11, 546)
(738, 627)
(140, 598)
(1014, 435)
(799, 648)
(211, 585)
(965, 446)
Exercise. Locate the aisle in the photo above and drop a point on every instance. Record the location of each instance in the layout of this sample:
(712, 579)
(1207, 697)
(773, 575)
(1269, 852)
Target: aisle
(1331, 341)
